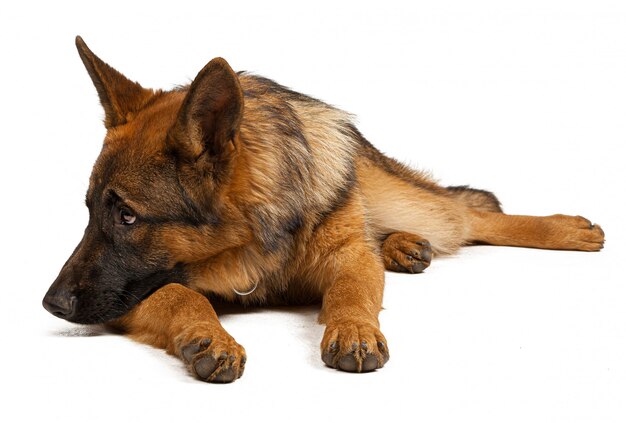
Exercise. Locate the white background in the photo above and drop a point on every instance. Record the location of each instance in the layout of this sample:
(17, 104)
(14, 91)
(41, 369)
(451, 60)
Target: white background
(527, 99)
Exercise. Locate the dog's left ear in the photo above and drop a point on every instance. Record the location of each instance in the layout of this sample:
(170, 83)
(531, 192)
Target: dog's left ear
(208, 122)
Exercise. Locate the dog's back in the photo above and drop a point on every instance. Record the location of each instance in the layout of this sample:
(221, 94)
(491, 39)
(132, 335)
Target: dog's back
(306, 157)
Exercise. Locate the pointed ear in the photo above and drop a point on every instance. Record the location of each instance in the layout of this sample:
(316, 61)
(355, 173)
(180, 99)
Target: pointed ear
(119, 96)
(209, 118)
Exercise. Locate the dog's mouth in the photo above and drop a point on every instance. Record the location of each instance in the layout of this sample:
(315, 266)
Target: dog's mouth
(89, 306)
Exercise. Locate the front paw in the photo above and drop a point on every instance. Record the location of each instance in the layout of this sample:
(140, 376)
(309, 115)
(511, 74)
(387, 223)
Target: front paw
(354, 347)
(212, 356)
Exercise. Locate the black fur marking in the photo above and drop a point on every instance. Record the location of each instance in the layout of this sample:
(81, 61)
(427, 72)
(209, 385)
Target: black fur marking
(273, 87)
(109, 276)
(267, 232)
(483, 199)
(194, 215)
(143, 287)
(285, 121)
(390, 165)
(294, 224)
(276, 232)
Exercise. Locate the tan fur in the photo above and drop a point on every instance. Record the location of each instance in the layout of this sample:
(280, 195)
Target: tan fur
(557, 232)
(187, 326)
(394, 205)
(247, 186)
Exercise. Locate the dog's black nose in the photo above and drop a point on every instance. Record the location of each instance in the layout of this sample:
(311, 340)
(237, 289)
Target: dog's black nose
(60, 305)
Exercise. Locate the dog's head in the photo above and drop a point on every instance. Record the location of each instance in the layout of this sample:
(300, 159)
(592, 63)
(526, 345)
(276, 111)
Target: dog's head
(157, 190)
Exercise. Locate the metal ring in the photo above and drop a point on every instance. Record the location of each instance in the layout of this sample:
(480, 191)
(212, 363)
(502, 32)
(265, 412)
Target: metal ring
(243, 294)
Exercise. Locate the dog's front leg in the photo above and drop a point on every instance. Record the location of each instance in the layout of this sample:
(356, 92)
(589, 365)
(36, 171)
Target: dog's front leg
(352, 300)
(184, 323)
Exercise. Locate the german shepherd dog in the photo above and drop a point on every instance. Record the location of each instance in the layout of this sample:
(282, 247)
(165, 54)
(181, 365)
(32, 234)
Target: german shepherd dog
(239, 189)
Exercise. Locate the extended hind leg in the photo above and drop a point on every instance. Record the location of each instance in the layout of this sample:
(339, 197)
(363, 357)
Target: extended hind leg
(556, 232)
(405, 252)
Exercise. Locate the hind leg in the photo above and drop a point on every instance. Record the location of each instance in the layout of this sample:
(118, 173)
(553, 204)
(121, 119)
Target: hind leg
(406, 252)
(556, 232)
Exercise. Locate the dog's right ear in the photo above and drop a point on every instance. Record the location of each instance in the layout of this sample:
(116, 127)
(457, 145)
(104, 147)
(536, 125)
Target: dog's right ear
(119, 96)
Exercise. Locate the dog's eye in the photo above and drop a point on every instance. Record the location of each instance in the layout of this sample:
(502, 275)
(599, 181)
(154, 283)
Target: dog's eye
(127, 217)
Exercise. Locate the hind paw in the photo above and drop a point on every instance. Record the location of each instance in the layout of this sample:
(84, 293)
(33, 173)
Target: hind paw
(405, 252)
(575, 233)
